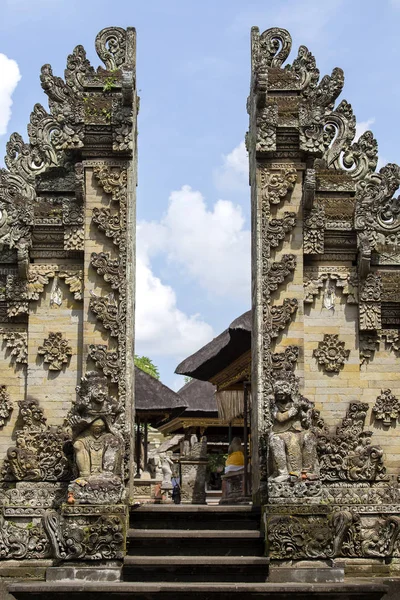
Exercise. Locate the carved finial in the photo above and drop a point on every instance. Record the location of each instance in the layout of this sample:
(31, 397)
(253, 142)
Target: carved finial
(111, 47)
(275, 46)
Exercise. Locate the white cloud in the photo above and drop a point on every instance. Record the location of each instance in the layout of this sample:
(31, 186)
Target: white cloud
(233, 175)
(211, 246)
(161, 328)
(363, 126)
(10, 76)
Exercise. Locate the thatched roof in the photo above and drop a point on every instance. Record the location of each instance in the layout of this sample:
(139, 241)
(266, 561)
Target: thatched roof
(199, 396)
(152, 396)
(220, 352)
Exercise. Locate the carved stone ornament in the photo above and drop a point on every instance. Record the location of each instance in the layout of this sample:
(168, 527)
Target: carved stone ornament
(286, 360)
(279, 271)
(349, 455)
(314, 230)
(106, 309)
(319, 536)
(109, 268)
(370, 303)
(23, 541)
(86, 537)
(331, 353)
(16, 342)
(386, 408)
(267, 121)
(113, 181)
(55, 351)
(278, 228)
(327, 278)
(275, 185)
(282, 314)
(6, 406)
(367, 346)
(39, 451)
(107, 361)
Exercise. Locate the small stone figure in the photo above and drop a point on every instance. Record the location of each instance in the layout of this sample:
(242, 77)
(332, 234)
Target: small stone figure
(97, 452)
(98, 447)
(166, 466)
(292, 443)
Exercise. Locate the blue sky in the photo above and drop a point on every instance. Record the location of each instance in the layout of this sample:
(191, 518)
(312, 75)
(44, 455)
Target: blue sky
(193, 72)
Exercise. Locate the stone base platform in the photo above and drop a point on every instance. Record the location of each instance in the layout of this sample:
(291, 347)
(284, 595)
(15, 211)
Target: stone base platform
(194, 591)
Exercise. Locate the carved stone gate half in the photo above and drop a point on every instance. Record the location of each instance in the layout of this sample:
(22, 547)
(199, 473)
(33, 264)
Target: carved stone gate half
(67, 269)
(326, 281)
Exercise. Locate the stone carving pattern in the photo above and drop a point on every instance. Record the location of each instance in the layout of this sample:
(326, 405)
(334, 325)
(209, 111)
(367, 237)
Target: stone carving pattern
(278, 228)
(367, 346)
(38, 454)
(286, 360)
(342, 277)
(281, 315)
(314, 229)
(107, 361)
(110, 311)
(331, 353)
(55, 351)
(6, 406)
(17, 343)
(386, 408)
(349, 455)
(294, 537)
(25, 541)
(279, 271)
(85, 538)
(370, 303)
(275, 185)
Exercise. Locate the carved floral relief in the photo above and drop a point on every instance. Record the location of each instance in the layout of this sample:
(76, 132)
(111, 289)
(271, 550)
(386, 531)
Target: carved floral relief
(55, 351)
(386, 408)
(331, 353)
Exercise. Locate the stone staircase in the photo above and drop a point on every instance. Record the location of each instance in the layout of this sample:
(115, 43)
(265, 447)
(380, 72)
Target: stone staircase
(192, 553)
(195, 544)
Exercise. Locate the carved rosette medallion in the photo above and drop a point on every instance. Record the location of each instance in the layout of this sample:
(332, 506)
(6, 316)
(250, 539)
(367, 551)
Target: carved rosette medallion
(386, 408)
(331, 353)
(55, 351)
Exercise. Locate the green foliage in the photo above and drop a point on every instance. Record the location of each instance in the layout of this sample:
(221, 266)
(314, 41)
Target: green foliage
(146, 364)
(187, 379)
(214, 461)
(109, 82)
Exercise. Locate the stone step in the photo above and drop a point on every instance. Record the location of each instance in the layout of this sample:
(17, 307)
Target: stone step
(196, 568)
(194, 533)
(194, 516)
(67, 590)
(199, 542)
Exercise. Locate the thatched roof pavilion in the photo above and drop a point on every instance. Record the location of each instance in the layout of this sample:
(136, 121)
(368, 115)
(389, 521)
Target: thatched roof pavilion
(220, 352)
(153, 399)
